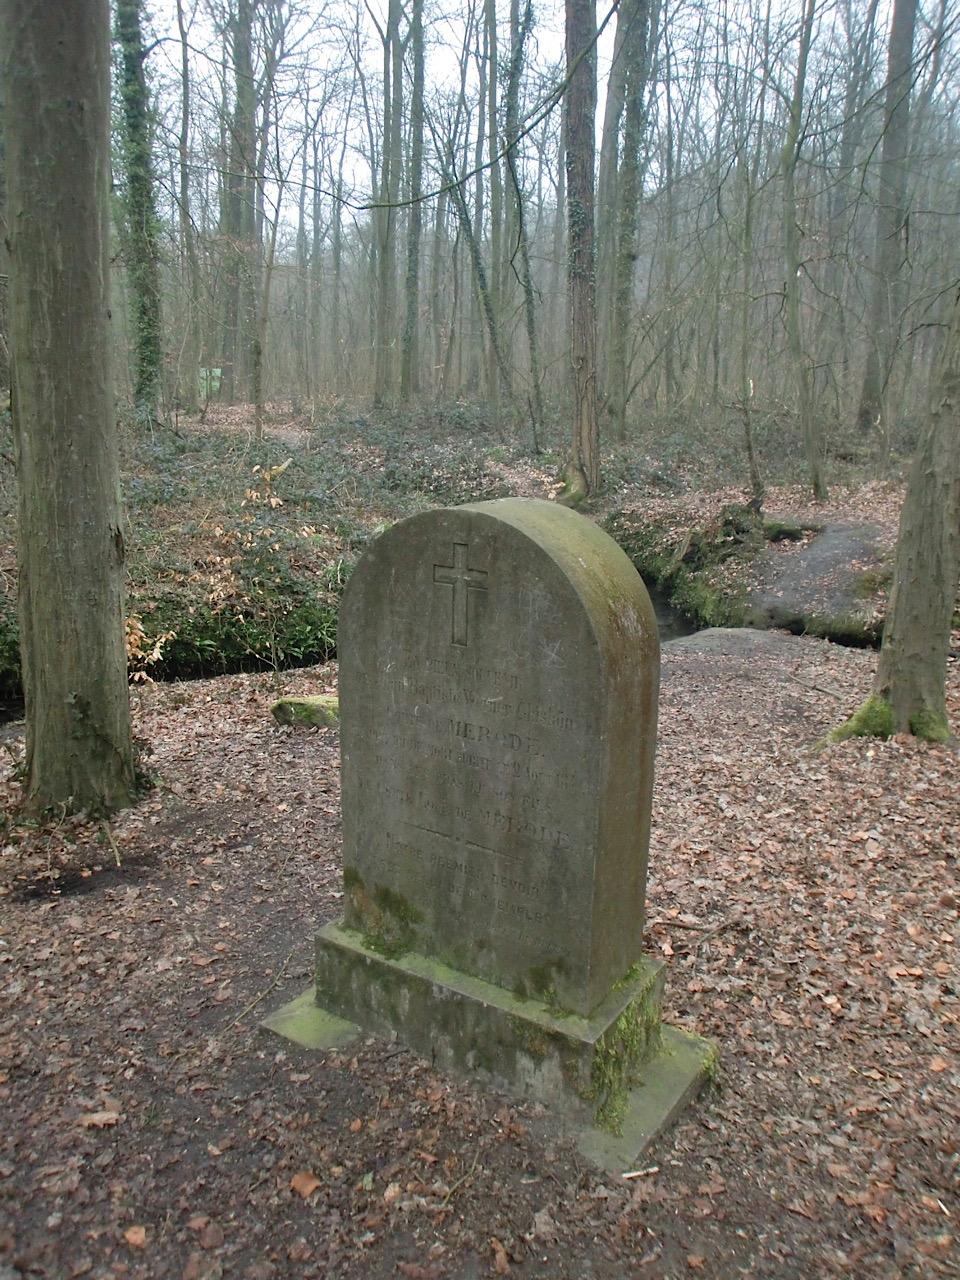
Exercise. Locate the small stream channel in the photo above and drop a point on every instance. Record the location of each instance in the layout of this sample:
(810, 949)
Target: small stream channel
(670, 624)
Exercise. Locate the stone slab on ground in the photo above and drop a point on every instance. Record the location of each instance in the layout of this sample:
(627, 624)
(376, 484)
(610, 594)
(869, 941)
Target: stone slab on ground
(321, 711)
(306, 1024)
(740, 642)
(825, 586)
(667, 1080)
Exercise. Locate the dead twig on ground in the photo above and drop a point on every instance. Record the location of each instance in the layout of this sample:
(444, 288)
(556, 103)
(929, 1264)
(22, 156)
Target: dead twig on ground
(264, 993)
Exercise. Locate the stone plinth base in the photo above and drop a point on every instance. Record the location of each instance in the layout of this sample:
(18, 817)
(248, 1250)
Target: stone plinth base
(618, 1076)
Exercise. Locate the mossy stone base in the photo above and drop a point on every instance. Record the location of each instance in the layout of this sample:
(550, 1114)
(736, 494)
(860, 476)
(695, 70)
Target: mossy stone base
(616, 1076)
(669, 1081)
(465, 1024)
(306, 1024)
(321, 711)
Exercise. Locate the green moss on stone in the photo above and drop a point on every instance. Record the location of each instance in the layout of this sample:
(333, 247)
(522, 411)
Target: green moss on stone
(843, 628)
(319, 711)
(873, 581)
(618, 1056)
(383, 918)
(541, 984)
(782, 531)
(874, 719)
(697, 598)
(711, 1064)
(352, 879)
(533, 1040)
(683, 573)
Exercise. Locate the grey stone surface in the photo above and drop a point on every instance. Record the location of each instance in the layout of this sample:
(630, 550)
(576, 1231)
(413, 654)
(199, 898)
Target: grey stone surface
(499, 669)
(525, 1046)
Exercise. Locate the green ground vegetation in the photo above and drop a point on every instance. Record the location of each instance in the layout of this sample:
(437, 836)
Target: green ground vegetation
(238, 552)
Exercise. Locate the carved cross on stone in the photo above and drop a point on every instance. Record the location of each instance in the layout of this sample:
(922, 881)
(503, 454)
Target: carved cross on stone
(462, 579)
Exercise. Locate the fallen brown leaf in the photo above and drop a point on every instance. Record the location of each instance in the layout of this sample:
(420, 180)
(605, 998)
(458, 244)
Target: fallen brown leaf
(304, 1183)
(99, 1119)
(136, 1237)
(501, 1263)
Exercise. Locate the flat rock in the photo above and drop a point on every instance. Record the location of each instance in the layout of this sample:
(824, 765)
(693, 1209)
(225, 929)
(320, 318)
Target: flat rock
(321, 711)
(734, 642)
(824, 587)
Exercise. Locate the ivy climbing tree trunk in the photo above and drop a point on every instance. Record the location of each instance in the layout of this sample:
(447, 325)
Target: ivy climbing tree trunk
(188, 366)
(57, 103)
(141, 240)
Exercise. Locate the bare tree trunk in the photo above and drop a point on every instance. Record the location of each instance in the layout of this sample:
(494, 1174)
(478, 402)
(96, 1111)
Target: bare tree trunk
(239, 215)
(809, 425)
(479, 275)
(436, 320)
(607, 177)
(843, 196)
(891, 243)
(580, 105)
(635, 53)
(410, 352)
(496, 201)
(384, 338)
(518, 226)
(263, 323)
(57, 114)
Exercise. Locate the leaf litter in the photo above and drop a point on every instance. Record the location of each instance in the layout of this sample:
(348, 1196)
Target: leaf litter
(808, 907)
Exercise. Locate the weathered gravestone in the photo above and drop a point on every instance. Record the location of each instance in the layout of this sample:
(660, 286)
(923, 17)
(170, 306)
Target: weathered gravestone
(499, 669)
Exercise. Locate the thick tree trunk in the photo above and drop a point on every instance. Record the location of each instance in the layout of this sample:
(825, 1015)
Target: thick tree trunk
(56, 95)
(580, 103)
(916, 639)
(140, 217)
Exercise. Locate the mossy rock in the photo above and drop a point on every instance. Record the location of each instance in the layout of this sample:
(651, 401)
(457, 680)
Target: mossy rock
(727, 574)
(321, 711)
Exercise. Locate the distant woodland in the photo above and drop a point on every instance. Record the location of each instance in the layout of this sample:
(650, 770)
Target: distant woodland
(321, 201)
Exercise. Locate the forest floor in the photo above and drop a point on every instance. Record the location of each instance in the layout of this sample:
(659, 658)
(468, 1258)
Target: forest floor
(806, 903)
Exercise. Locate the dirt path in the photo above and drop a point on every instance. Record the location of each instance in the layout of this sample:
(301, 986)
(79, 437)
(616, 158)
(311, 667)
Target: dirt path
(807, 905)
